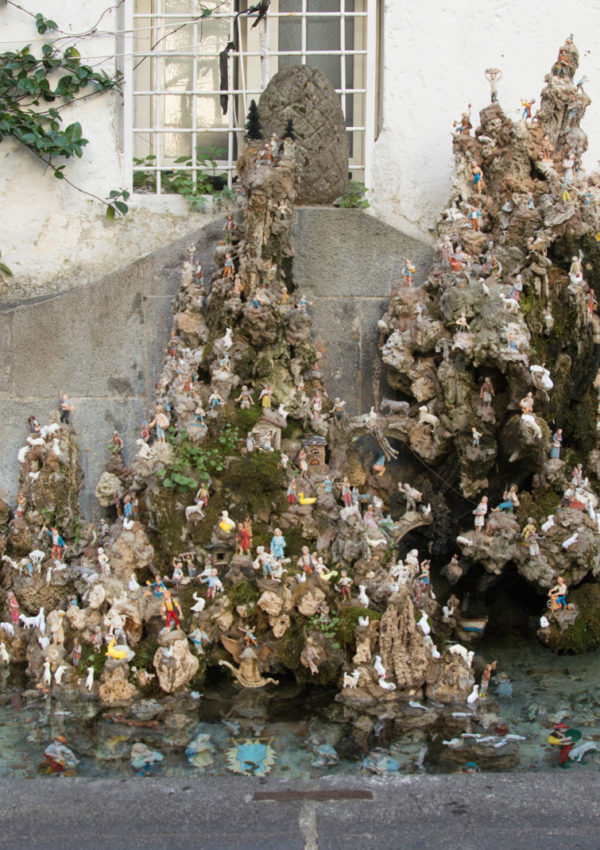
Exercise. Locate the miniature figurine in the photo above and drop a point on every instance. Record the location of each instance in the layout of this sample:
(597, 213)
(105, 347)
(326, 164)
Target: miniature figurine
(66, 409)
(278, 545)
(171, 609)
(13, 607)
(245, 398)
(103, 562)
(177, 576)
(306, 561)
(464, 126)
(215, 400)
(462, 326)
(480, 513)
(214, 583)
(546, 149)
(485, 678)
(475, 217)
(303, 303)
(76, 652)
(478, 184)
(344, 585)
(198, 274)
(161, 421)
(59, 547)
(558, 594)
(408, 271)
(283, 210)
(229, 228)
(291, 492)
(510, 500)
(476, 436)
(228, 267)
(249, 636)
(310, 657)
(526, 104)
(530, 538)
(226, 524)
(556, 444)
(486, 393)
(411, 494)
(378, 466)
(244, 537)
(116, 444)
(526, 403)
(493, 75)
(265, 397)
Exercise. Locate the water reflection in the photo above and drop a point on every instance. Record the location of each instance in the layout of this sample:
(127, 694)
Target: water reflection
(294, 731)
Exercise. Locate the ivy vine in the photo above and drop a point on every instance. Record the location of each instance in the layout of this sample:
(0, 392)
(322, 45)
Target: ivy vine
(30, 83)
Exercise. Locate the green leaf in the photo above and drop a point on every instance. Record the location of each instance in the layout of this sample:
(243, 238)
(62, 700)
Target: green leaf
(5, 270)
(123, 208)
(110, 212)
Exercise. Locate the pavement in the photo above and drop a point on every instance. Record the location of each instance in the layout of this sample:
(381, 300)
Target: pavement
(555, 810)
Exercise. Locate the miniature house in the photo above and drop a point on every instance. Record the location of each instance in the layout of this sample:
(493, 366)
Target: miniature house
(315, 447)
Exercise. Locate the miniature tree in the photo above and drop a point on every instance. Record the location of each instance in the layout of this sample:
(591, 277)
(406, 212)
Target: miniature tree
(288, 133)
(253, 126)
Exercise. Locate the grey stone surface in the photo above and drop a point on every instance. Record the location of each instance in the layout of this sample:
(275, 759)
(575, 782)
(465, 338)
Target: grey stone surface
(306, 96)
(482, 812)
(104, 344)
(347, 263)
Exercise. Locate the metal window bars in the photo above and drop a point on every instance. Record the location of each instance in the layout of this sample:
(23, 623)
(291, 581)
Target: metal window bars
(172, 91)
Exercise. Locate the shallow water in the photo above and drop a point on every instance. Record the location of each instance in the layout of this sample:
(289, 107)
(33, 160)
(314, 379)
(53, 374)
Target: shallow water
(280, 730)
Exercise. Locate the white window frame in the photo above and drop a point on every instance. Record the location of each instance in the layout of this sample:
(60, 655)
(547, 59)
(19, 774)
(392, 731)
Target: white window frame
(253, 43)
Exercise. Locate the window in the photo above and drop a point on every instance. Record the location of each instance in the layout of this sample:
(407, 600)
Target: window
(192, 75)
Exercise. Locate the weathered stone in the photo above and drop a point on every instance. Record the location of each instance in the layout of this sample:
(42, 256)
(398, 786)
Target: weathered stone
(306, 96)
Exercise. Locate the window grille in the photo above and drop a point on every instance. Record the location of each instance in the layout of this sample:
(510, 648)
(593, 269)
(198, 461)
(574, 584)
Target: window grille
(174, 118)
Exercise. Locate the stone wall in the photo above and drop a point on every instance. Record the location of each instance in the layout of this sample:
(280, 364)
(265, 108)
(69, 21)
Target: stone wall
(103, 344)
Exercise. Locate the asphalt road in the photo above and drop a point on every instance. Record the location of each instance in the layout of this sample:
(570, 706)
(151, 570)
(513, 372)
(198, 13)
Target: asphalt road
(508, 811)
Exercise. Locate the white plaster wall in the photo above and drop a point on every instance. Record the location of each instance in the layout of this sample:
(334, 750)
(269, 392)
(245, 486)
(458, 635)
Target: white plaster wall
(434, 56)
(53, 237)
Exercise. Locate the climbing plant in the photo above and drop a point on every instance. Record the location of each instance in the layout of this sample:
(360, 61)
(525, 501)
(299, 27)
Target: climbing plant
(34, 91)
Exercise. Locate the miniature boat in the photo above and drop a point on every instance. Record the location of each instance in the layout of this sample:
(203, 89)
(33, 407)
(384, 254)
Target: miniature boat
(470, 628)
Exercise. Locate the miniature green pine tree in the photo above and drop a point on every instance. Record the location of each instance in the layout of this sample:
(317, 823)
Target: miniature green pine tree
(288, 133)
(253, 126)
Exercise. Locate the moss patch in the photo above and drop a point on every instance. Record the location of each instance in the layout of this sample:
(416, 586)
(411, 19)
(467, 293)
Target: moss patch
(584, 634)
